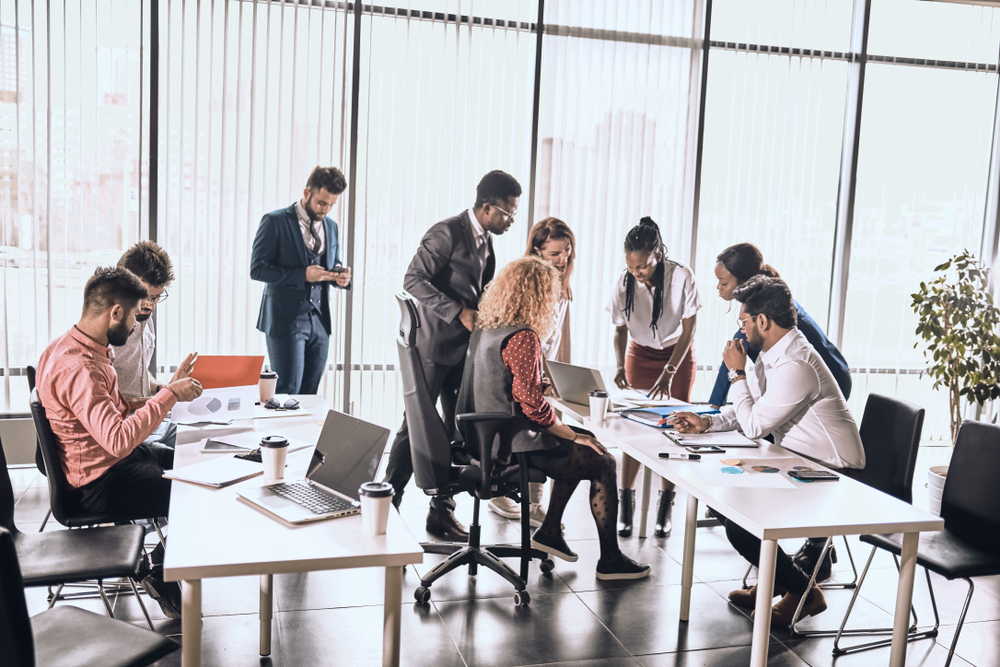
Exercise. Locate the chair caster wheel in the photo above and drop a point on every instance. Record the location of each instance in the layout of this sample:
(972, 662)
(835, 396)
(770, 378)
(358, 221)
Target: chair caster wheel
(547, 565)
(422, 595)
(521, 598)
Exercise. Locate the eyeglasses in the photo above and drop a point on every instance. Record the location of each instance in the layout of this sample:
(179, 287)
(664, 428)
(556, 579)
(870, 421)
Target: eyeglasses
(156, 299)
(744, 321)
(290, 404)
(509, 216)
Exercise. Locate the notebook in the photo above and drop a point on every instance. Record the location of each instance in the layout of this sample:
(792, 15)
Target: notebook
(218, 472)
(219, 372)
(347, 455)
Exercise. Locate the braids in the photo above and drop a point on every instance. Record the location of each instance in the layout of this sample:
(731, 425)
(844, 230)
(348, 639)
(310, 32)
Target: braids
(645, 237)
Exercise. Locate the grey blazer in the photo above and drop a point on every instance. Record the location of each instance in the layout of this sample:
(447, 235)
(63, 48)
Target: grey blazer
(444, 278)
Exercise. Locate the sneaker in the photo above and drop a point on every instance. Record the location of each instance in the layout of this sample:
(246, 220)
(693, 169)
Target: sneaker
(507, 508)
(166, 593)
(623, 568)
(554, 545)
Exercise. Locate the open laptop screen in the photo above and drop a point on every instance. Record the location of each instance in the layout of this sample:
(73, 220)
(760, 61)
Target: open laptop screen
(352, 449)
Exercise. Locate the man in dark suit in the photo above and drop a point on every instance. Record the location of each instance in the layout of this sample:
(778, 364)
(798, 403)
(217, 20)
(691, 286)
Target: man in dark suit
(296, 253)
(454, 262)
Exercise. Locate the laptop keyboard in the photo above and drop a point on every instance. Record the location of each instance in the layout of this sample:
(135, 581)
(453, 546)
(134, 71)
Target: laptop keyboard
(311, 498)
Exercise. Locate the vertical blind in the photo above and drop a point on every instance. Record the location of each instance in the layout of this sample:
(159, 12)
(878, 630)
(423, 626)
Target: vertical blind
(74, 90)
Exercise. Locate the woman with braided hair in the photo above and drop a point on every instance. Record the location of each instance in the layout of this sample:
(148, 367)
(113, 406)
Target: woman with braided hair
(656, 303)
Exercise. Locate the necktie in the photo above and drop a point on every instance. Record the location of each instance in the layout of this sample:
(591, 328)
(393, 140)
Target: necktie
(315, 237)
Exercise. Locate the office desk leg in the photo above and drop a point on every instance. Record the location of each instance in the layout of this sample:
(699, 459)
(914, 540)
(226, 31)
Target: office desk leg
(393, 612)
(266, 612)
(765, 588)
(904, 596)
(687, 566)
(647, 482)
(191, 623)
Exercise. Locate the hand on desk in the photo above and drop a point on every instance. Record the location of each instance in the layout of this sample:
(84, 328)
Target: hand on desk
(689, 422)
(661, 390)
(620, 381)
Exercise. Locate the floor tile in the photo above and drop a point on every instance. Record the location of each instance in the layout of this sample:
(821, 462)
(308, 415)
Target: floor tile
(337, 588)
(950, 596)
(31, 504)
(979, 643)
(777, 656)
(607, 662)
(924, 653)
(233, 641)
(553, 628)
(353, 636)
(645, 618)
(458, 585)
(582, 575)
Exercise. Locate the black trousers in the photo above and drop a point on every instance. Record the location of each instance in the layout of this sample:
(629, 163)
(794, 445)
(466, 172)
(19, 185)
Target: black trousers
(135, 485)
(442, 382)
(786, 572)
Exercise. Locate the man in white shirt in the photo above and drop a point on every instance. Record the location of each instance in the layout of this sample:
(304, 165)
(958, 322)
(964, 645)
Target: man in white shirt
(797, 401)
(152, 266)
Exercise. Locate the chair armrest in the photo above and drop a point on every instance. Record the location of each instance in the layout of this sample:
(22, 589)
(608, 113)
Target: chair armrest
(473, 417)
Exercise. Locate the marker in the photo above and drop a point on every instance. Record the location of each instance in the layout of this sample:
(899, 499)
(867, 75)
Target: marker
(674, 456)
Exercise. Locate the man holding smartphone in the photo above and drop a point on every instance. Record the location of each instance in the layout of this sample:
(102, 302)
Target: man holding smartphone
(296, 253)
(797, 401)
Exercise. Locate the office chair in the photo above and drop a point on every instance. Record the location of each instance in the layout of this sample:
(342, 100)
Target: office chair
(63, 557)
(969, 545)
(890, 434)
(484, 476)
(39, 461)
(66, 636)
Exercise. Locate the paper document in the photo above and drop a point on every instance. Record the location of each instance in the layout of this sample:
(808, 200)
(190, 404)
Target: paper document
(244, 442)
(217, 405)
(639, 398)
(218, 472)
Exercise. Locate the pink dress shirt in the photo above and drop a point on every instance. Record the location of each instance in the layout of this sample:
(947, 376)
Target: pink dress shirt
(78, 387)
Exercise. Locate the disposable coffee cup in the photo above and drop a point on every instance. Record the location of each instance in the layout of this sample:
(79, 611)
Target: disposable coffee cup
(598, 404)
(376, 498)
(267, 384)
(272, 452)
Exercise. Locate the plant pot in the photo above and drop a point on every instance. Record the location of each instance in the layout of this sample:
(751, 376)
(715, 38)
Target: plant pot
(935, 487)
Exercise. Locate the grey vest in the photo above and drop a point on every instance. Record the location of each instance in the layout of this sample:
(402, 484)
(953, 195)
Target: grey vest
(315, 300)
(487, 386)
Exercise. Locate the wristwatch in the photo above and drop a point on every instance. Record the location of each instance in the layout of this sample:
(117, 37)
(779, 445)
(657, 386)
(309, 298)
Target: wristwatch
(735, 374)
(671, 369)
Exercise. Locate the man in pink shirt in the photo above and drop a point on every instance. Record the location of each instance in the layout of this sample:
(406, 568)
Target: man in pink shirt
(101, 445)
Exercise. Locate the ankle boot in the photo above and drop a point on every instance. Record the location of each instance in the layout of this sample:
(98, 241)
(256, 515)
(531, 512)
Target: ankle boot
(664, 508)
(626, 509)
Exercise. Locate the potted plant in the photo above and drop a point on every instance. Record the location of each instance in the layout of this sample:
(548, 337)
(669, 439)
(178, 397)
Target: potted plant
(958, 323)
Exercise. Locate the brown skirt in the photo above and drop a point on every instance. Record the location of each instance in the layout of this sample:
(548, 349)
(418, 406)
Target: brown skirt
(643, 366)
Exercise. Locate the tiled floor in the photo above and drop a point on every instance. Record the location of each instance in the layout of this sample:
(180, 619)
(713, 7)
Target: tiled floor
(335, 618)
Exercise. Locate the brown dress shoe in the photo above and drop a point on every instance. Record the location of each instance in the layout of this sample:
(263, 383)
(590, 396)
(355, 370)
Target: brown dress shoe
(781, 613)
(446, 526)
(747, 597)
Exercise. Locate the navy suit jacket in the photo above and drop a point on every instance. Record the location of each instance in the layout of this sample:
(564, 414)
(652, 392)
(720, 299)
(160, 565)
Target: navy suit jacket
(279, 259)
(444, 277)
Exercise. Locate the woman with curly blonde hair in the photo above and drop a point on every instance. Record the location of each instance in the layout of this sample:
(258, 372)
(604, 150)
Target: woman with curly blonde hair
(503, 373)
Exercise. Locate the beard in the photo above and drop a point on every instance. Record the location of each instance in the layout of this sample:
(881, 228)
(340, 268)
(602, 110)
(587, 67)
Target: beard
(756, 340)
(118, 334)
(142, 317)
(313, 215)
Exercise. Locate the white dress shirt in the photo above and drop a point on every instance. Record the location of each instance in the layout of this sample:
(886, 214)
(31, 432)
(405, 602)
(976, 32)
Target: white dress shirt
(131, 361)
(795, 399)
(680, 301)
(305, 225)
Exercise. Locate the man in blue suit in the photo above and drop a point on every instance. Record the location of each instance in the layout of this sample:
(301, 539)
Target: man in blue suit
(296, 253)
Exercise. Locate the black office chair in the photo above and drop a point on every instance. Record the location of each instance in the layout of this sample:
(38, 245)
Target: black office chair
(66, 508)
(890, 433)
(39, 461)
(66, 636)
(63, 557)
(484, 476)
(969, 545)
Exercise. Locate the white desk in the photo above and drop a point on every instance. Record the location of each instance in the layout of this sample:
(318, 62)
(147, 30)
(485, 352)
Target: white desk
(213, 534)
(820, 509)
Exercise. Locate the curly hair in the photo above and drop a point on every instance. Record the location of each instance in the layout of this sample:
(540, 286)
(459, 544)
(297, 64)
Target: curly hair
(523, 294)
(553, 229)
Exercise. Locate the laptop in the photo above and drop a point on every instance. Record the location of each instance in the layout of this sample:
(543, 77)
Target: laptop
(574, 383)
(347, 455)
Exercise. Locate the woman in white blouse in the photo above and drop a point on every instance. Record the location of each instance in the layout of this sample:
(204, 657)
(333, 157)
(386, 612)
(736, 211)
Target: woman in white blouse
(656, 303)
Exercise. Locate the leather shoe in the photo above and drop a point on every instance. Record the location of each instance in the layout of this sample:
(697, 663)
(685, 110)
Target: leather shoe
(807, 556)
(446, 526)
(781, 613)
(747, 597)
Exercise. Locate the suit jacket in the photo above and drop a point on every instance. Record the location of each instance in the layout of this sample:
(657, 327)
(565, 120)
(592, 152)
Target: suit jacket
(279, 259)
(444, 277)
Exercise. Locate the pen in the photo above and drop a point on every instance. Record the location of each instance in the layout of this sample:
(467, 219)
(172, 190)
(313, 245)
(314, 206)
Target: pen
(680, 457)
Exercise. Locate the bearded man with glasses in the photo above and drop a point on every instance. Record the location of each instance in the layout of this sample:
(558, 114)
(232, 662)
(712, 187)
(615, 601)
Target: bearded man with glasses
(152, 266)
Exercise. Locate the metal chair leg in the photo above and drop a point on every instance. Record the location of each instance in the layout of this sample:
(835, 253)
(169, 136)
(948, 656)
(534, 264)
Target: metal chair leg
(142, 605)
(961, 620)
(48, 513)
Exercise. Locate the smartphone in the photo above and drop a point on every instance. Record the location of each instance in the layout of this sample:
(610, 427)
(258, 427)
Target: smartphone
(809, 475)
(704, 449)
(338, 269)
